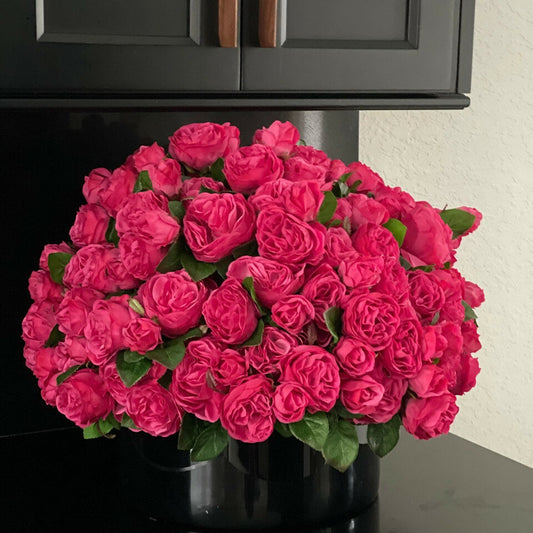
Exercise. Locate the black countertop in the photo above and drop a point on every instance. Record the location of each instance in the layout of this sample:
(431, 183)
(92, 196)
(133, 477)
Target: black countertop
(56, 481)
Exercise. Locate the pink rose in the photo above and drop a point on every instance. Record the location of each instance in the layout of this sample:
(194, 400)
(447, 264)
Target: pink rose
(361, 395)
(430, 381)
(230, 313)
(146, 215)
(142, 335)
(216, 224)
(51, 361)
(396, 201)
(280, 234)
(426, 418)
(473, 294)
(90, 225)
(247, 410)
(251, 166)
(374, 240)
(38, 324)
(395, 283)
(270, 194)
(428, 240)
(275, 346)
(104, 328)
(426, 294)
(83, 398)
(449, 347)
(190, 188)
(366, 210)
(153, 410)
(280, 136)
(272, 280)
(303, 199)
(299, 169)
(113, 382)
(199, 145)
(361, 272)
(478, 217)
(190, 387)
(453, 286)
(76, 348)
(470, 335)
(293, 312)
(140, 257)
(95, 184)
(175, 300)
(165, 177)
(74, 309)
(290, 402)
(354, 358)
(369, 179)
(147, 155)
(53, 249)
(228, 368)
(42, 287)
(465, 375)
(316, 371)
(372, 318)
(338, 247)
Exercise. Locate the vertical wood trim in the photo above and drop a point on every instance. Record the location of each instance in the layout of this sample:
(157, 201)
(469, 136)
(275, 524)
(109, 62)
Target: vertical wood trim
(466, 46)
(227, 23)
(268, 23)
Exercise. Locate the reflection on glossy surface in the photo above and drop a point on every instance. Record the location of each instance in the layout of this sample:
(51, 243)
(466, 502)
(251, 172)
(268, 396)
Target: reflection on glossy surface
(265, 486)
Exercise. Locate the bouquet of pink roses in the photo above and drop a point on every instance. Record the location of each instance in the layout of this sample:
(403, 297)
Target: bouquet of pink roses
(225, 291)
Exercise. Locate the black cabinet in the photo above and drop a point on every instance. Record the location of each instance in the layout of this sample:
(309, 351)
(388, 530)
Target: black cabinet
(397, 52)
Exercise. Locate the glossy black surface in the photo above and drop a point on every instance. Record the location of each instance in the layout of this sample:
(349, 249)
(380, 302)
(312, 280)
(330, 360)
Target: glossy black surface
(55, 481)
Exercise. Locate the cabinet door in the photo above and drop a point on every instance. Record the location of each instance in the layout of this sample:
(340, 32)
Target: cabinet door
(113, 46)
(395, 46)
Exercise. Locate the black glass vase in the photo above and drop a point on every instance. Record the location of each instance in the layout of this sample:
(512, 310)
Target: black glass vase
(277, 485)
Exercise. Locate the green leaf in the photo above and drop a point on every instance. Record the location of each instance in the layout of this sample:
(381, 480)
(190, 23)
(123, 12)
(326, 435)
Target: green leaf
(210, 443)
(216, 170)
(127, 422)
(62, 377)
(382, 438)
(248, 284)
(333, 320)
(460, 221)
(171, 262)
(342, 412)
(342, 445)
(188, 432)
(101, 428)
(344, 177)
(340, 190)
(404, 263)
(327, 208)
(312, 430)
(335, 223)
(92, 432)
(435, 318)
(257, 335)
(198, 270)
(54, 338)
(397, 229)
(177, 209)
(131, 373)
(355, 185)
(469, 312)
(132, 357)
(283, 429)
(56, 265)
(136, 306)
(223, 265)
(301, 142)
(110, 422)
(249, 248)
(111, 235)
(143, 183)
(203, 188)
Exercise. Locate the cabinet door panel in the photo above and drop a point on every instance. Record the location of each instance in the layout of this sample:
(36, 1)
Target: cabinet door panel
(114, 46)
(356, 45)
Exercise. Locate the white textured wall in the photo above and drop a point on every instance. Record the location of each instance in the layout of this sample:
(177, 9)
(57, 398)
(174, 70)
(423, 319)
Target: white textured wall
(482, 157)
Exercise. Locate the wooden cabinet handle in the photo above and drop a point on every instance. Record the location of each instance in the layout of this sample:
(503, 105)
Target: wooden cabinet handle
(268, 13)
(227, 23)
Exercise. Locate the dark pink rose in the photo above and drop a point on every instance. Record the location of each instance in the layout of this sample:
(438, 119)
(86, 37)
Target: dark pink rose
(52, 249)
(251, 166)
(293, 312)
(29, 356)
(42, 287)
(147, 155)
(282, 235)
(427, 239)
(280, 136)
(369, 179)
(153, 410)
(104, 330)
(343, 212)
(247, 410)
(372, 318)
(275, 346)
(90, 225)
(116, 188)
(272, 280)
(449, 347)
(290, 402)
(199, 145)
(299, 169)
(142, 335)
(426, 418)
(175, 300)
(453, 286)
(366, 210)
(113, 382)
(395, 283)
(470, 335)
(336, 169)
(403, 356)
(216, 224)
(374, 240)
(190, 188)
(230, 313)
(190, 386)
(76, 348)
(430, 381)
(165, 177)
(478, 217)
(228, 368)
(83, 398)
(396, 201)
(146, 215)
(38, 324)
(270, 194)
(139, 256)
(354, 358)
(324, 289)
(316, 371)
(338, 247)
(361, 395)
(473, 294)
(51, 361)
(48, 388)
(426, 294)
(95, 185)
(74, 309)
(360, 271)
(465, 375)
(303, 199)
